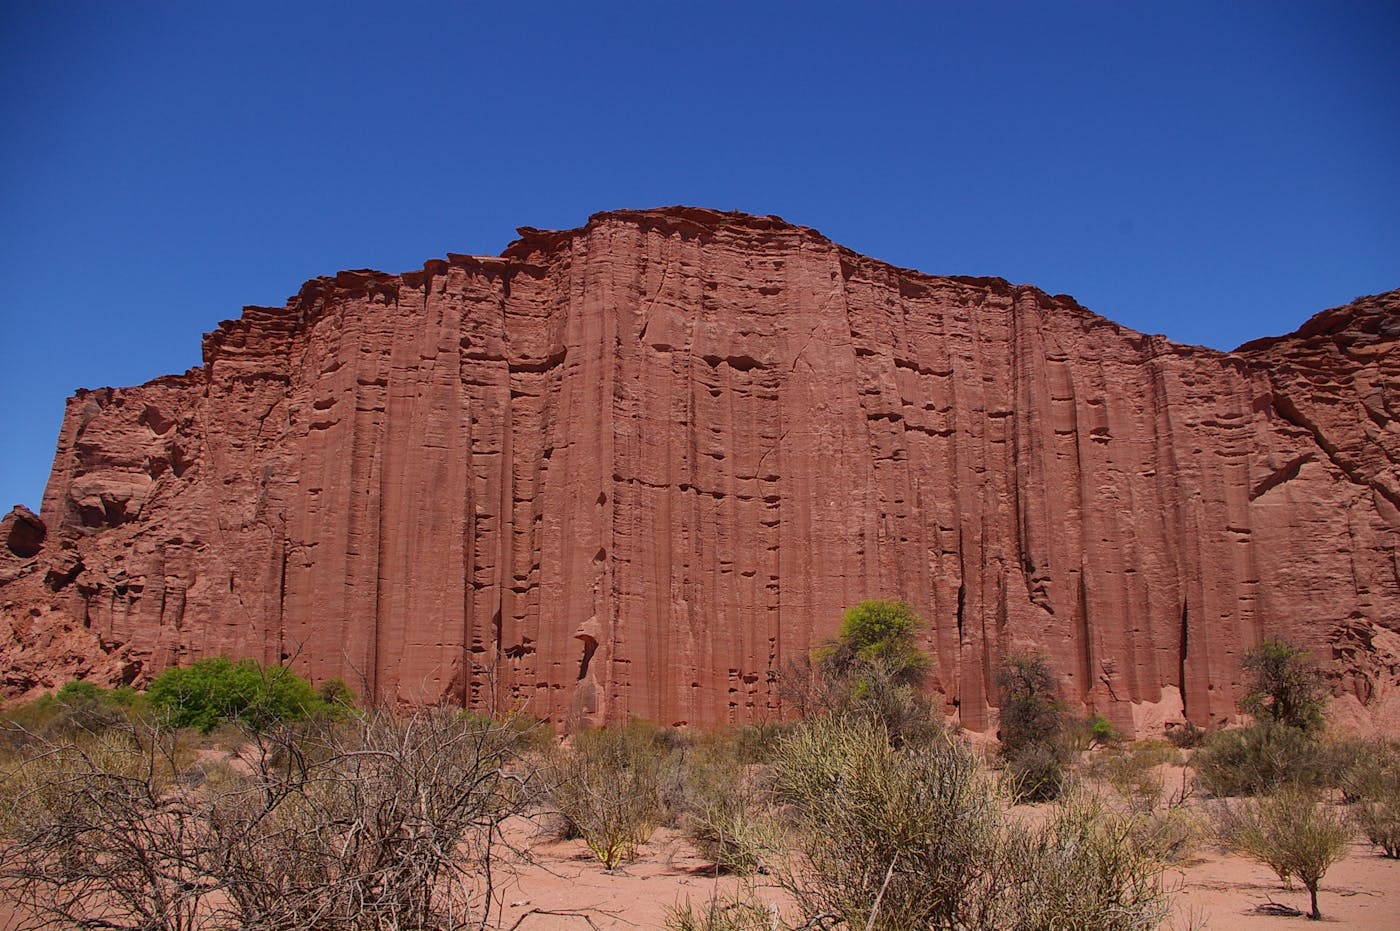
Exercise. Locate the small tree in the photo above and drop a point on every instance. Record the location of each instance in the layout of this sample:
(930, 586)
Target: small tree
(1284, 685)
(1292, 831)
(873, 670)
(1030, 711)
(1031, 727)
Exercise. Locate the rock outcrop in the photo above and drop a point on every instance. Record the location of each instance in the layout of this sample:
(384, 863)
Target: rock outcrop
(634, 468)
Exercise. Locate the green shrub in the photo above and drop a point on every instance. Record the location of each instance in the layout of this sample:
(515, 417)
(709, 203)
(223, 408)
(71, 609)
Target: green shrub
(1258, 758)
(1293, 831)
(1092, 731)
(217, 689)
(877, 631)
(873, 671)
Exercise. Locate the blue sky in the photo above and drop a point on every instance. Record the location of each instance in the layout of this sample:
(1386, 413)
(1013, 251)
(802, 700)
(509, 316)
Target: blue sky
(1215, 172)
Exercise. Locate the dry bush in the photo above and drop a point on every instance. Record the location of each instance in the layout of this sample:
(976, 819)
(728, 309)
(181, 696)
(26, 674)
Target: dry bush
(385, 822)
(1039, 772)
(1372, 783)
(1133, 773)
(376, 822)
(888, 839)
(1187, 735)
(608, 788)
(1082, 869)
(1168, 835)
(722, 803)
(96, 835)
(1293, 832)
(738, 911)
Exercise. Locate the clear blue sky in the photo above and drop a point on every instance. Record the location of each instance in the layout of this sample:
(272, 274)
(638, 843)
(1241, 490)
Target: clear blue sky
(1212, 171)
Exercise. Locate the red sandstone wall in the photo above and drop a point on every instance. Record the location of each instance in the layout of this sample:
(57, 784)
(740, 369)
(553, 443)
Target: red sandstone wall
(634, 468)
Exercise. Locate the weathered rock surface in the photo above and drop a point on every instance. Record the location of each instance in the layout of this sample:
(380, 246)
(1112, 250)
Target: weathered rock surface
(635, 467)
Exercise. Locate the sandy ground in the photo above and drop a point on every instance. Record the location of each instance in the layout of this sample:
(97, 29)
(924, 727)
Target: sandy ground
(1215, 890)
(561, 885)
(565, 888)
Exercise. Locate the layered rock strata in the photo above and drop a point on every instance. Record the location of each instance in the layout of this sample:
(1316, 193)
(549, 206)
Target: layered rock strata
(636, 467)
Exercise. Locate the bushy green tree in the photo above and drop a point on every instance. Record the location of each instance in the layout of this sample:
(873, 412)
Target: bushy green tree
(218, 689)
(1284, 685)
(880, 633)
(874, 670)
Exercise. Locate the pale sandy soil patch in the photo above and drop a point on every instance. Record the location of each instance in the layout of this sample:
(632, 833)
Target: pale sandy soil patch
(1217, 889)
(1362, 892)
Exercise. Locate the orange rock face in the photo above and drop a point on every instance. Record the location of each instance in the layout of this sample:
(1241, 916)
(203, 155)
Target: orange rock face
(634, 468)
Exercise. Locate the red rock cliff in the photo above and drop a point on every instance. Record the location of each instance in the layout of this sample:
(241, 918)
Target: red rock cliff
(635, 467)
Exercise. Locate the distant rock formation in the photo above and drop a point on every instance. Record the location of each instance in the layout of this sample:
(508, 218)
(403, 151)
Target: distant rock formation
(636, 467)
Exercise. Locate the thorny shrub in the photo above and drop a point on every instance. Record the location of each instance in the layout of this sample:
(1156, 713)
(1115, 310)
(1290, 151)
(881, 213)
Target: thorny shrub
(379, 821)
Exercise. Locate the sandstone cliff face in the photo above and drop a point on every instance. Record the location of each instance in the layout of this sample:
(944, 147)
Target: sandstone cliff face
(634, 468)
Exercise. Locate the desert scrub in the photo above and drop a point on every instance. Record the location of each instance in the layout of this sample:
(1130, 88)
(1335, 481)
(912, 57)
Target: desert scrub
(737, 911)
(95, 836)
(723, 807)
(1259, 758)
(376, 821)
(1133, 772)
(1293, 831)
(607, 786)
(75, 709)
(1082, 869)
(1168, 835)
(1372, 784)
(888, 839)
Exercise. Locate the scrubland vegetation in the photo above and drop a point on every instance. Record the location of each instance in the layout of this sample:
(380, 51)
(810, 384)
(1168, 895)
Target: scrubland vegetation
(229, 795)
